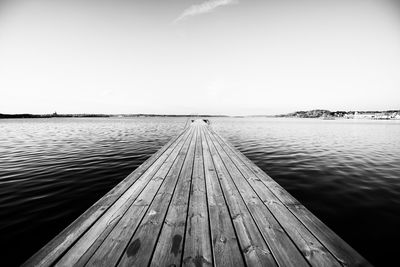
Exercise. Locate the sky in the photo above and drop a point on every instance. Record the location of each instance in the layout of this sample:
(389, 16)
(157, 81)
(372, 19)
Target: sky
(232, 57)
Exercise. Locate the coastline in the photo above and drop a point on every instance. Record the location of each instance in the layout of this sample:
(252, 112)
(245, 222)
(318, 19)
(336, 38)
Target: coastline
(311, 114)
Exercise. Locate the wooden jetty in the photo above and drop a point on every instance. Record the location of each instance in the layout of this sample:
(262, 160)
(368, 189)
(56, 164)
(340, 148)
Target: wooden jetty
(197, 202)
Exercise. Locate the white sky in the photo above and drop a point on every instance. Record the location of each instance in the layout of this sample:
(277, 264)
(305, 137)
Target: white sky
(227, 57)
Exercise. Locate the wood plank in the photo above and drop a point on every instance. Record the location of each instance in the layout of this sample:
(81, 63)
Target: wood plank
(168, 251)
(61, 243)
(343, 252)
(197, 251)
(142, 244)
(115, 243)
(315, 253)
(114, 214)
(226, 251)
(254, 247)
(197, 201)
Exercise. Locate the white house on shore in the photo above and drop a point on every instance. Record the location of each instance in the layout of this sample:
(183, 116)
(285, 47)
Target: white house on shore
(373, 116)
(364, 115)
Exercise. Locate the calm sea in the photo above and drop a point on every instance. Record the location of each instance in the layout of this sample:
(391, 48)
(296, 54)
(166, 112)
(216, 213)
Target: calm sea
(347, 172)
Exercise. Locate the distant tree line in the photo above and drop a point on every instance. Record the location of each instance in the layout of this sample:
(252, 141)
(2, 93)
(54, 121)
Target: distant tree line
(27, 115)
(55, 115)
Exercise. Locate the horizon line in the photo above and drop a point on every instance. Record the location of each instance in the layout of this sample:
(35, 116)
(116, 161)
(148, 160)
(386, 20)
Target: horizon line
(55, 114)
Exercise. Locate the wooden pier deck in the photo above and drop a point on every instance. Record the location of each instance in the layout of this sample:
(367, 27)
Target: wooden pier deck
(197, 202)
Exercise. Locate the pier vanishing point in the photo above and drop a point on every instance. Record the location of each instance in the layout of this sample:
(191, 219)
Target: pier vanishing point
(197, 202)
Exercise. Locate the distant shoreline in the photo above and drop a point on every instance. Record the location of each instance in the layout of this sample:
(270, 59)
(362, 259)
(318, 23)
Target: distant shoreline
(315, 114)
(55, 115)
(332, 115)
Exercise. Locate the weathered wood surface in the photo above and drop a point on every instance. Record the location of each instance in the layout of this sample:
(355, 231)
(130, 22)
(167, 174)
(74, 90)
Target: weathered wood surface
(197, 202)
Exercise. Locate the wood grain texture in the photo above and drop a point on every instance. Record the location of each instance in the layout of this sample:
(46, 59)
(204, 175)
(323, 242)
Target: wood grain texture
(343, 252)
(197, 250)
(226, 251)
(62, 242)
(148, 231)
(281, 223)
(116, 243)
(197, 202)
(144, 187)
(253, 246)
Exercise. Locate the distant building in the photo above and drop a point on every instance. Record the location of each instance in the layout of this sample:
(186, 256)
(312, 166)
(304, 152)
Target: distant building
(373, 116)
(348, 116)
(358, 115)
(382, 116)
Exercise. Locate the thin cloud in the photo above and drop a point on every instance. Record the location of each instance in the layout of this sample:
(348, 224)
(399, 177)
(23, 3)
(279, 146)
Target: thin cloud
(205, 7)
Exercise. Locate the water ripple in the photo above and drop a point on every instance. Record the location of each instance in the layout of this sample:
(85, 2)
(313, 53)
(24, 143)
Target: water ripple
(347, 172)
(51, 170)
